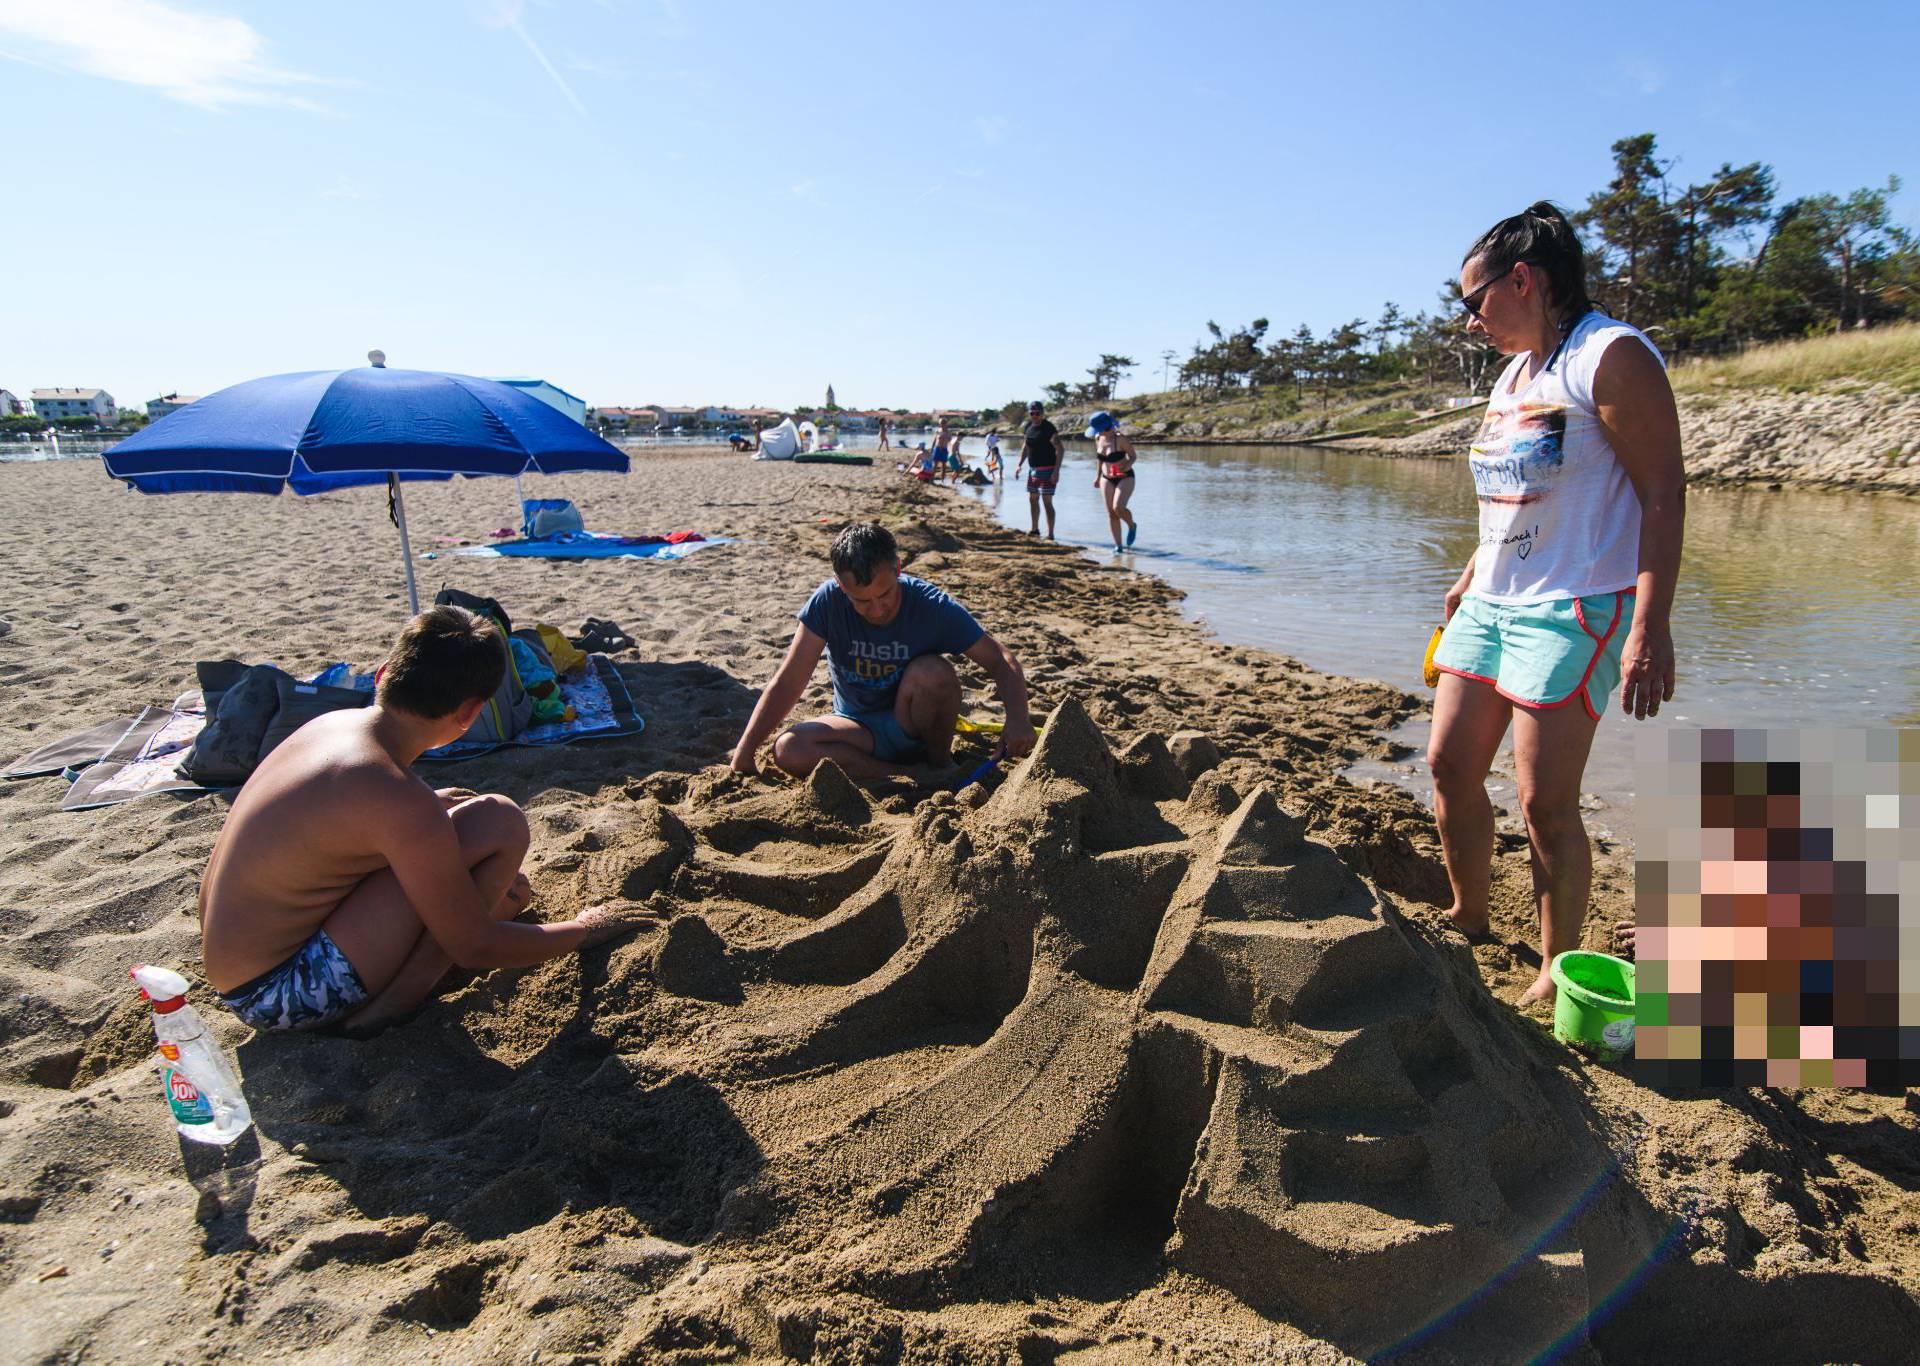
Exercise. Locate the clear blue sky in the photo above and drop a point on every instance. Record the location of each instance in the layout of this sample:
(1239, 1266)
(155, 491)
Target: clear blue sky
(691, 201)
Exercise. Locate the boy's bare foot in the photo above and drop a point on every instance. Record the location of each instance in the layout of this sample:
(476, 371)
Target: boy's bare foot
(1541, 991)
(1478, 928)
(604, 924)
(519, 896)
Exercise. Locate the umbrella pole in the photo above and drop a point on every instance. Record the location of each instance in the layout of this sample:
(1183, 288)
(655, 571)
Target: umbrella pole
(406, 550)
(519, 504)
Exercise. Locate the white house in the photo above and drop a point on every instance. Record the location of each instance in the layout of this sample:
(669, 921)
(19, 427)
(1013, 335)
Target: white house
(550, 394)
(158, 408)
(49, 404)
(11, 406)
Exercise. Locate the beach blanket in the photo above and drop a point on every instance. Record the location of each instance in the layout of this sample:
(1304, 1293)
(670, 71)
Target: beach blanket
(598, 545)
(135, 756)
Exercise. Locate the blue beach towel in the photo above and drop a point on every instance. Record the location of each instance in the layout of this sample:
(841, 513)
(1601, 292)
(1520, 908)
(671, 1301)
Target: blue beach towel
(591, 545)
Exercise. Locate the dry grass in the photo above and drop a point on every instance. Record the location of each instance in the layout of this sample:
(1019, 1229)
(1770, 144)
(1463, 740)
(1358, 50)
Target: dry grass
(1885, 355)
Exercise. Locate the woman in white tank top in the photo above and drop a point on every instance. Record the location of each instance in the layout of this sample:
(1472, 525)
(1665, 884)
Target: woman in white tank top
(1582, 505)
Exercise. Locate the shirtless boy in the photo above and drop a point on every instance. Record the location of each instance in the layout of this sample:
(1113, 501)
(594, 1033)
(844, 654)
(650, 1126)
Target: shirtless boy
(342, 888)
(895, 698)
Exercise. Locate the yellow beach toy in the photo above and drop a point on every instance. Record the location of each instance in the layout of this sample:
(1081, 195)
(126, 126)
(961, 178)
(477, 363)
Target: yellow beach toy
(1428, 668)
(969, 727)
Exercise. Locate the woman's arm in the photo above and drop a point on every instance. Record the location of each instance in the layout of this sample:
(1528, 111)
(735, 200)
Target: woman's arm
(1636, 410)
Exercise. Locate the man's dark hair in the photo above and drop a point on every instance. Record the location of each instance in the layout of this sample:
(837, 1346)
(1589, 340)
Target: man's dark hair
(445, 657)
(861, 549)
(1540, 236)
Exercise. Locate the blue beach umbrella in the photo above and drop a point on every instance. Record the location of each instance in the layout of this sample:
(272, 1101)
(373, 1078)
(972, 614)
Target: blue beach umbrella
(333, 429)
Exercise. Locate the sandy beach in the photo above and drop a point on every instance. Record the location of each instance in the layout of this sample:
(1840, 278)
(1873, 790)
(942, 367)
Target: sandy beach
(1155, 1048)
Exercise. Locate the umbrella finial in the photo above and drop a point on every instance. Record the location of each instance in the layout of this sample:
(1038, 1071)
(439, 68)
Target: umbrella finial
(377, 358)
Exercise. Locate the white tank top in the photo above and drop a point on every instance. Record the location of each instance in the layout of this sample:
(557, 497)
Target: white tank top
(1558, 515)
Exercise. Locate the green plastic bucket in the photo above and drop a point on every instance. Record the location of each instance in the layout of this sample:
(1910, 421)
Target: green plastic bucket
(1593, 990)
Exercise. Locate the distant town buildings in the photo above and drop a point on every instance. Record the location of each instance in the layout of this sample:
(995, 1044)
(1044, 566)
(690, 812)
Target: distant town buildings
(550, 394)
(158, 408)
(831, 405)
(627, 419)
(52, 404)
(11, 406)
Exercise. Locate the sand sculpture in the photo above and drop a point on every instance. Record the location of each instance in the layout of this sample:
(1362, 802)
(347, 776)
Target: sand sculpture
(1116, 1038)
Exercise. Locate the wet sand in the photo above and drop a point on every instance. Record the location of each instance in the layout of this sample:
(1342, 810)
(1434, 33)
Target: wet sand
(1156, 1048)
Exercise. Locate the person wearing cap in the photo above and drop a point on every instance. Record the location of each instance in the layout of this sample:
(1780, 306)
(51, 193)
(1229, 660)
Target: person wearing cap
(1041, 452)
(1113, 474)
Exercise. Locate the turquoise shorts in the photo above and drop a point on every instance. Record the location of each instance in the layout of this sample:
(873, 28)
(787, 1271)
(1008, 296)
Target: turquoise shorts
(1540, 654)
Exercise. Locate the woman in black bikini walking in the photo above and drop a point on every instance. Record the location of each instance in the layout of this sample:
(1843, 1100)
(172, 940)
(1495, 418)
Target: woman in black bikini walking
(1114, 456)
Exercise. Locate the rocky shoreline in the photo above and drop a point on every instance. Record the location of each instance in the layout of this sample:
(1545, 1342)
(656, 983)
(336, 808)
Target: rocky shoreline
(1861, 438)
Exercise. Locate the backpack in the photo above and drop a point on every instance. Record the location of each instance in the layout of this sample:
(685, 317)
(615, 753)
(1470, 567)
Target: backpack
(509, 710)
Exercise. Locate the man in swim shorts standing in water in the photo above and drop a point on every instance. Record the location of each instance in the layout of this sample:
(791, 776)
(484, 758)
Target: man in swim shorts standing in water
(342, 888)
(1040, 450)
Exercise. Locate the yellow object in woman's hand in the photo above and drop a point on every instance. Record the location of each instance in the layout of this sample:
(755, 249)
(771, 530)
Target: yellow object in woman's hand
(1428, 668)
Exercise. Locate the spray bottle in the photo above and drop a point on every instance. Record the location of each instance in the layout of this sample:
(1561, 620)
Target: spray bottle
(201, 1089)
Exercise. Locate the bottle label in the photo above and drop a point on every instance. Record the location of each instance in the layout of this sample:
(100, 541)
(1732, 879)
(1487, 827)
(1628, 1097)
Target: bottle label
(184, 1098)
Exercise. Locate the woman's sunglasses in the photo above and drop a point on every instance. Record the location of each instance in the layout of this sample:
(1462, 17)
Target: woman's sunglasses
(1471, 302)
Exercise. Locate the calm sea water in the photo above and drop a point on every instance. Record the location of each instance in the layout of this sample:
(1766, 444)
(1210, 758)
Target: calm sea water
(1793, 609)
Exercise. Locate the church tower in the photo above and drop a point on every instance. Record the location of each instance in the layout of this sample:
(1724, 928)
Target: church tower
(830, 403)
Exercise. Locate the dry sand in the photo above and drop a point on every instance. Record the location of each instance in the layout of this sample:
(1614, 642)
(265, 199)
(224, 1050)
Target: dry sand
(1158, 1051)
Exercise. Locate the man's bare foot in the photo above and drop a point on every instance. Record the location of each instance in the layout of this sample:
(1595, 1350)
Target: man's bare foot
(605, 924)
(1478, 928)
(1541, 991)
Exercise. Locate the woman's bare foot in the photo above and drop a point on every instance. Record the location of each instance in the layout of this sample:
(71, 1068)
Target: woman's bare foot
(1472, 927)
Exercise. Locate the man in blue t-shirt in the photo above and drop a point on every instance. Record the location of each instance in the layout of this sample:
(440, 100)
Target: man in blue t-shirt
(895, 697)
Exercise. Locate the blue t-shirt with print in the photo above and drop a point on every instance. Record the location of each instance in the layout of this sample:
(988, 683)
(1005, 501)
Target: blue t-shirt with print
(866, 659)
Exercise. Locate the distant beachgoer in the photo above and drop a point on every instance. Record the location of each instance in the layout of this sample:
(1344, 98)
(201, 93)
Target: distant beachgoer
(923, 466)
(895, 698)
(942, 447)
(1582, 508)
(342, 888)
(992, 462)
(1113, 474)
(1041, 452)
(885, 426)
(739, 442)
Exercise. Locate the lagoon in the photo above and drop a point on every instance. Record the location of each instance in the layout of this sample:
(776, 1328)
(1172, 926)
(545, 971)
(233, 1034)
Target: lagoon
(1795, 608)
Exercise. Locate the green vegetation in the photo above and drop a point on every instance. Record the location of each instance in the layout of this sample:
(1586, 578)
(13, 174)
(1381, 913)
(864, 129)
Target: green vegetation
(1709, 269)
(1884, 355)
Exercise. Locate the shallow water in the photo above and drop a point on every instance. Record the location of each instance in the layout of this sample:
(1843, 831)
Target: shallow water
(1794, 608)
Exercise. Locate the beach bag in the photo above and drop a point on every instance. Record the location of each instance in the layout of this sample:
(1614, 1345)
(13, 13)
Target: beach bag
(240, 705)
(545, 518)
(479, 606)
(250, 711)
(509, 710)
(297, 703)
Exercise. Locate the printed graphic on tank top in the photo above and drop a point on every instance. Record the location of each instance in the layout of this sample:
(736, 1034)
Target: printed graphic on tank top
(1558, 516)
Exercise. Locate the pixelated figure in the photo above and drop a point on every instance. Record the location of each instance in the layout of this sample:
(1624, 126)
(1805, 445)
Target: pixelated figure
(1777, 870)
